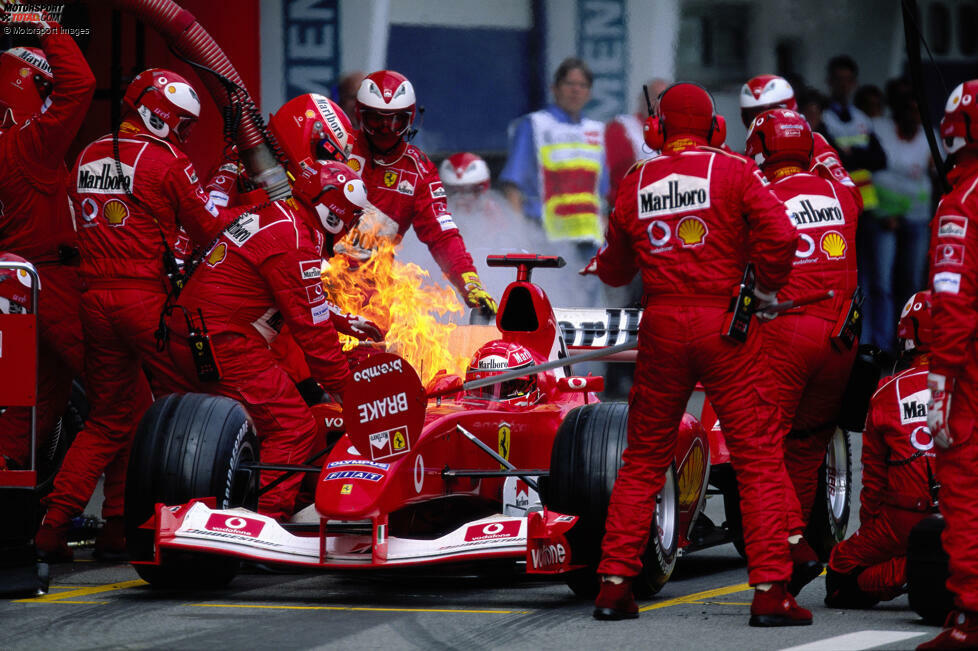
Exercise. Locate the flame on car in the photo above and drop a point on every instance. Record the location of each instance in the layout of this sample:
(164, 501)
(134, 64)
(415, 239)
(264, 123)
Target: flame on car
(403, 300)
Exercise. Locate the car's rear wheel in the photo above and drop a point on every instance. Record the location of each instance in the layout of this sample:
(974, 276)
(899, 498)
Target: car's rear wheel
(927, 571)
(584, 464)
(829, 519)
(188, 446)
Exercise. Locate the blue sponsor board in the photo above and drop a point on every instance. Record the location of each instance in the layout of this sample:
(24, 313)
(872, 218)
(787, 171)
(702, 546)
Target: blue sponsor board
(358, 462)
(354, 474)
(602, 41)
(312, 46)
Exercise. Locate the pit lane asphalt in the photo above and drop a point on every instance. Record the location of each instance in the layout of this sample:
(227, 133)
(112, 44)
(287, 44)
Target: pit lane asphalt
(704, 606)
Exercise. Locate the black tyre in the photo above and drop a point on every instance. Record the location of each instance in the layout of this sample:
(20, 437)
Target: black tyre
(52, 454)
(723, 478)
(188, 446)
(829, 520)
(584, 464)
(927, 571)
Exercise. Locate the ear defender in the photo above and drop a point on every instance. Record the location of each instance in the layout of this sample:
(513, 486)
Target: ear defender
(718, 131)
(654, 132)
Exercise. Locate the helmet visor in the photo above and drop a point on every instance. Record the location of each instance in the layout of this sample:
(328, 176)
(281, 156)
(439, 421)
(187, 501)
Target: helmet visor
(183, 127)
(376, 122)
(326, 149)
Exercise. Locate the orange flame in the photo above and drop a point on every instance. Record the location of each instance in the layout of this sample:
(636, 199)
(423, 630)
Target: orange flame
(401, 299)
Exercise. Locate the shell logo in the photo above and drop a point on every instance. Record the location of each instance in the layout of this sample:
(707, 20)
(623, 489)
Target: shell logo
(218, 254)
(171, 89)
(310, 113)
(25, 72)
(833, 245)
(354, 164)
(115, 212)
(691, 477)
(692, 231)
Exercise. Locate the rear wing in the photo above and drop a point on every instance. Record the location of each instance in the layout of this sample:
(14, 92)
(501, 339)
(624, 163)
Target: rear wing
(585, 329)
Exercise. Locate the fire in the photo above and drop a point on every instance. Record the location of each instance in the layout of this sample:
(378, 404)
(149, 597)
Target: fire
(401, 299)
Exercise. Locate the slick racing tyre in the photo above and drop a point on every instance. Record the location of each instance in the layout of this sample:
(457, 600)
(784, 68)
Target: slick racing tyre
(829, 519)
(584, 464)
(188, 446)
(927, 570)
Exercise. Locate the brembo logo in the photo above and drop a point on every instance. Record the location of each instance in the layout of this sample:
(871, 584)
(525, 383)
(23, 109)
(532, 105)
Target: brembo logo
(368, 374)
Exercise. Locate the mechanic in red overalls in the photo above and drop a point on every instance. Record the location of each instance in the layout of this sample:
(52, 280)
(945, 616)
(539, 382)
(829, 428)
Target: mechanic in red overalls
(690, 220)
(131, 191)
(898, 458)
(953, 379)
(263, 272)
(404, 186)
(810, 349)
(44, 97)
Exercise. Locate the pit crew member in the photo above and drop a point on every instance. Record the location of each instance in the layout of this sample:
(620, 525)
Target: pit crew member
(953, 379)
(812, 348)
(899, 488)
(262, 272)
(690, 220)
(404, 186)
(44, 96)
(131, 190)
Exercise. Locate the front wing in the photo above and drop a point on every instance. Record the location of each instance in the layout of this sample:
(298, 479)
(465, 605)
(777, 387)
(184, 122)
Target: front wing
(198, 527)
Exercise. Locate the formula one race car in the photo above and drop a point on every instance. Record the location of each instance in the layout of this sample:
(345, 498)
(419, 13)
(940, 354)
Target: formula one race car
(516, 463)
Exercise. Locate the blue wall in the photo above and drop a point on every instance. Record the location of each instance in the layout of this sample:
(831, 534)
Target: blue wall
(472, 83)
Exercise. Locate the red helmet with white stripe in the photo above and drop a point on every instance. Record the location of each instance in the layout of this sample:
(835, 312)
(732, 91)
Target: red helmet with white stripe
(15, 287)
(916, 327)
(386, 107)
(166, 103)
(311, 128)
(464, 172)
(25, 82)
(780, 137)
(334, 192)
(498, 357)
(959, 126)
(765, 92)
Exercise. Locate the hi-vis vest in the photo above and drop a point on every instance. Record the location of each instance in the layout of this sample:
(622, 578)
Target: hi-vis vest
(569, 158)
(854, 134)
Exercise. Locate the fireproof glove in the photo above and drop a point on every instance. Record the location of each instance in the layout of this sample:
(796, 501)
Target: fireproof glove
(355, 325)
(939, 409)
(765, 298)
(591, 269)
(475, 294)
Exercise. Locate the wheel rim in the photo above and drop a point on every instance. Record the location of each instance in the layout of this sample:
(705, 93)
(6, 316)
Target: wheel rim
(836, 477)
(665, 515)
(244, 491)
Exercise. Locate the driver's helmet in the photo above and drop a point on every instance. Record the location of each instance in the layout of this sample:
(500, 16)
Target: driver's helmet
(498, 357)
(15, 287)
(915, 330)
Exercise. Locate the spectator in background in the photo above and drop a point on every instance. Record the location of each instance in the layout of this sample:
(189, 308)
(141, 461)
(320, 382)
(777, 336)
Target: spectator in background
(346, 95)
(811, 104)
(625, 137)
(556, 173)
(869, 100)
(902, 228)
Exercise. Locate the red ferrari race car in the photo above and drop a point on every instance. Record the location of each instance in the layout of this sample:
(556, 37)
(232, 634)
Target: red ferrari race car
(515, 463)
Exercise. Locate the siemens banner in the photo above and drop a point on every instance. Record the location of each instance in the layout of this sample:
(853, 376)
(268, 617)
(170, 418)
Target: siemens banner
(312, 46)
(602, 41)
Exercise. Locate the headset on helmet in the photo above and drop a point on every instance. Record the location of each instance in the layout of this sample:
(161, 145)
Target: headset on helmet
(916, 328)
(765, 92)
(334, 192)
(685, 108)
(25, 82)
(780, 136)
(311, 127)
(495, 358)
(166, 103)
(959, 126)
(464, 172)
(15, 287)
(386, 106)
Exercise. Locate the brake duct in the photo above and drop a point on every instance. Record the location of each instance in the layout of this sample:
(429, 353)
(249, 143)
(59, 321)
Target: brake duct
(188, 38)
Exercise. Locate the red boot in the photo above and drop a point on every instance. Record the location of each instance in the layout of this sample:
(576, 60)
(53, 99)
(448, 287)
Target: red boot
(805, 566)
(960, 632)
(110, 543)
(51, 543)
(615, 601)
(776, 607)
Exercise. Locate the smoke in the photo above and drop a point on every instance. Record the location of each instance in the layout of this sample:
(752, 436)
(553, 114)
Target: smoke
(489, 226)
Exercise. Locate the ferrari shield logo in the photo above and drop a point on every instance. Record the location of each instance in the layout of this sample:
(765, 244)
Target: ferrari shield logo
(504, 434)
(398, 442)
(346, 489)
(390, 178)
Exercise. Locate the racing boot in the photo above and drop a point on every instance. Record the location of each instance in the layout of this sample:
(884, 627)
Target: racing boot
(843, 591)
(110, 543)
(960, 632)
(777, 607)
(51, 542)
(615, 600)
(805, 566)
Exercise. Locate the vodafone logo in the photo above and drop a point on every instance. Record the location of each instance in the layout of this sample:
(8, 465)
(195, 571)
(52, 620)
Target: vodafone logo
(659, 233)
(921, 439)
(806, 246)
(234, 525)
(493, 531)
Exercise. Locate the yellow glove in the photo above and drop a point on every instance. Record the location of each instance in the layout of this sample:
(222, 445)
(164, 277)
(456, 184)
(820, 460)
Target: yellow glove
(475, 294)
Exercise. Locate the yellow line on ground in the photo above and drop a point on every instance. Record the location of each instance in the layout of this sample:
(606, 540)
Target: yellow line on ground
(78, 602)
(697, 596)
(84, 592)
(721, 603)
(368, 609)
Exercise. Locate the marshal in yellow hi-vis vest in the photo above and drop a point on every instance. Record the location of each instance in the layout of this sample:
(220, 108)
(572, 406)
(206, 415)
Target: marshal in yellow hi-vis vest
(569, 158)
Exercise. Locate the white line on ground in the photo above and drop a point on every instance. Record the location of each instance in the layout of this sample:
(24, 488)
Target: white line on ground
(857, 641)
